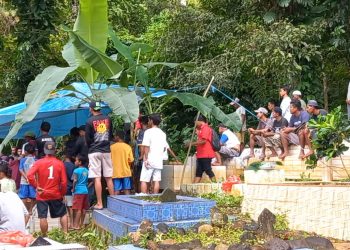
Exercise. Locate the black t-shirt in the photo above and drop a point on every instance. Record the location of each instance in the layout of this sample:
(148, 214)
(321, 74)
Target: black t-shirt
(80, 147)
(40, 142)
(70, 145)
(322, 112)
(98, 133)
(69, 172)
(278, 125)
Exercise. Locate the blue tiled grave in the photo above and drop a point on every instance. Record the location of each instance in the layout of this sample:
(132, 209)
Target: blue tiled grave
(124, 213)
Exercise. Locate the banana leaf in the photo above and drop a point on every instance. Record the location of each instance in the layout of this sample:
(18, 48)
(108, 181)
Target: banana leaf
(38, 92)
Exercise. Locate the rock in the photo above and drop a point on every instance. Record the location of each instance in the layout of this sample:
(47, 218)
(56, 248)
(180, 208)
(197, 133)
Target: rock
(221, 247)
(206, 228)
(169, 244)
(239, 247)
(277, 244)
(135, 237)
(146, 226)
(258, 248)
(296, 244)
(319, 243)
(211, 246)
(218, 218)
(152, 245)
(239, 224)
(195, 227)
(191, 244)
(167, 195)
(251, 227)
(247, 236)
(181, 231)
(266, 223)
(342, 246)
(163, 228)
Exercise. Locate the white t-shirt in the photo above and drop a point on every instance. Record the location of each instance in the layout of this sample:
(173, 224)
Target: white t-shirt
(348, 96)
(155, 139)
(229, 139)
(285, 107)
(12, 212)
(241, 111)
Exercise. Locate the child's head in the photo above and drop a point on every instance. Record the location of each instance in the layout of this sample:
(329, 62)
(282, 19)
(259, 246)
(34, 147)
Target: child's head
(80, 161)
(119, 136)
(29, 149)
(5, 170)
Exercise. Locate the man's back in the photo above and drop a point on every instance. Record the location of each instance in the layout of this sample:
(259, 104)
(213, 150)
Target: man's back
(40, 142)
(122, 156)
(230, 139)
(155, 139)
(51, 177)
(98, 133)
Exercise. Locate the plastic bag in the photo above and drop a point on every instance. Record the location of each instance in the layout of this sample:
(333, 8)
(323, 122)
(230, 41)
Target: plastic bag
(16, 237)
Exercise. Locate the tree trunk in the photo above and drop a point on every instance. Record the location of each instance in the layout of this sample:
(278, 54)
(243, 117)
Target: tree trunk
(325, 91)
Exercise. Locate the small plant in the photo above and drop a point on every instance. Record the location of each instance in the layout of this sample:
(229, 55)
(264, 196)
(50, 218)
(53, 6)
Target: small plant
(281, 222)
(224, 200)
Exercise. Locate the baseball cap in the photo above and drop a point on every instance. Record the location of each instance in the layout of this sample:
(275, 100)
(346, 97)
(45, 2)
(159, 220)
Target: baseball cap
(296, 92)
(95, 105)
(262, 110)
(235, 101)
(29, 134)
(82, 127)
(312, 103)
(50, 148)
(277, 110)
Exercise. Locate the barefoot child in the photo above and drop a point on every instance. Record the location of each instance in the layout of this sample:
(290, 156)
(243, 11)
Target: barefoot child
(69, 165)
(80, 191)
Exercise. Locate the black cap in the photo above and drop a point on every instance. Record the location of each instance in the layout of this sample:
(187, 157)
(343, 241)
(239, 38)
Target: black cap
(95, 105)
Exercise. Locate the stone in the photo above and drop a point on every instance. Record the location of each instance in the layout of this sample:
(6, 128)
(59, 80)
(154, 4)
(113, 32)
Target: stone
(239, 247)
(218, 218)
(146, 226)
(211, 246)
(167, 195)
(195, 227)
(169, 244)
(221, 247)
(277, 244)
(162, 228)
(196, 243)
(296, 244)
(342, 246)
(181, 230)
(206, 228)
(266, 221)
(239, 224)
(251, 227)
(247, 236)
(258, 248)
(152, 245)
(319, 243)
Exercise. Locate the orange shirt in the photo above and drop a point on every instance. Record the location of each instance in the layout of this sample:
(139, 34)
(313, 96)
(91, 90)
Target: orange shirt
(206, 150)
(122, 157)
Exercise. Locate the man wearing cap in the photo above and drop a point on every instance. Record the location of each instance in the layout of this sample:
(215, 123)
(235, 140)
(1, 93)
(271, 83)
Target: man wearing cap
(43, 138)
(285, 103)
(230, 145)
(99, 135)
(272, 137)
(297, 96)
(240, 110)
(314, 110)
(48, 176)
(296, 132)
(80, 147)
(29, 138)
(256, 134)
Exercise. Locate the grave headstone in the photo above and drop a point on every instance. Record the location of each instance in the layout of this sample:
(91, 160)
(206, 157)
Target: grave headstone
(266, 223)
(167, 195)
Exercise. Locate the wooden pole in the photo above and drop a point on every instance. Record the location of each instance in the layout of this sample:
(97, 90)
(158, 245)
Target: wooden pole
(193, 133)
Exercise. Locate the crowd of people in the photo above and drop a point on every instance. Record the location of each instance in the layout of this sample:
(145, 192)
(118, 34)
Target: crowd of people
(95, 152)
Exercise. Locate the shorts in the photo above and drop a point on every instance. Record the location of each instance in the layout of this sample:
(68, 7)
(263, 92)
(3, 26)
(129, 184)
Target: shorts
(69, 200)
(259, 140)
(57, 208)
(27, 191)
(204, 165)
(273, 141)
(98, 163)
(228, 152)
(80, 202)
(122, 183)
(293, 138)
(150, 173)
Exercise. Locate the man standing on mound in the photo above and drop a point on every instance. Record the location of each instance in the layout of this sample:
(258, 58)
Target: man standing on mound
(48, 176)
(98, 135)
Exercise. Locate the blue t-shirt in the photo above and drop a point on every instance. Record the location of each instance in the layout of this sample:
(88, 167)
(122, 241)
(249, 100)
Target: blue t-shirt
(82, 180)
(69, 172)
(25, 164)
(295, 121)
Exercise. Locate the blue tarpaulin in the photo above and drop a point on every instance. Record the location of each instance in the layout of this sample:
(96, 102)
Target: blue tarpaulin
(63, 111)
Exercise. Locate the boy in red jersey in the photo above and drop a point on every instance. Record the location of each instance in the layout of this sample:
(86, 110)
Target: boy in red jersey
(48, 176)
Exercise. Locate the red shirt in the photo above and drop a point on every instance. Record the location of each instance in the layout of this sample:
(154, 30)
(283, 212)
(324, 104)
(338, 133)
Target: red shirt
(49, 174)
(205, 150)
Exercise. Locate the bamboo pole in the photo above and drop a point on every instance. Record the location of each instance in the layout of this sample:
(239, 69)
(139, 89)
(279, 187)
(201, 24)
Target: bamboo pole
(193, 133)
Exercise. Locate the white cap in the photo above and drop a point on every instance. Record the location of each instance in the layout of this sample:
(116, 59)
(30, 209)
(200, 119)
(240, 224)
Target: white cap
(296, 92)
(262, 110)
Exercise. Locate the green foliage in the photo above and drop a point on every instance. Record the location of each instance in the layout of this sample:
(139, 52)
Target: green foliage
(224, 200)
(281, 222)
(331, 131)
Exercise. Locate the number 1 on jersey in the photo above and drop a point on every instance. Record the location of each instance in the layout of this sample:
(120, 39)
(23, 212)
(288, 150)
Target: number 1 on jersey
(51, 172)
